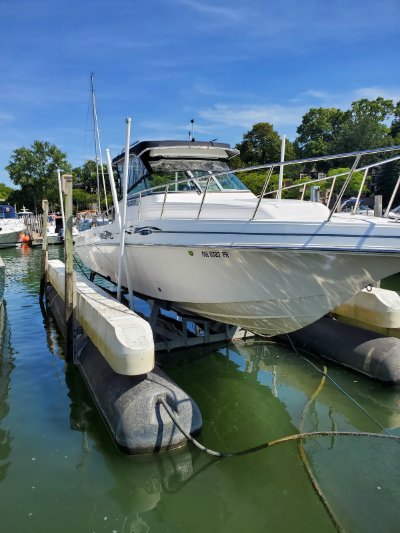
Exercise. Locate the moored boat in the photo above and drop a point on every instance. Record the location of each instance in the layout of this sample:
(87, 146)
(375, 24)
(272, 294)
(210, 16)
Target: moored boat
(196, 237)
(11, 227)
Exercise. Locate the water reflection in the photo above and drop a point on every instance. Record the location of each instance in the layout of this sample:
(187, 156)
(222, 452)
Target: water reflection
(279, 368)
(137, 482)
(6, 368)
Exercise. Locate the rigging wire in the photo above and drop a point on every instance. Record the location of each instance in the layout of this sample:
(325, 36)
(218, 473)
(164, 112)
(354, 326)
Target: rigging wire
(99, 157)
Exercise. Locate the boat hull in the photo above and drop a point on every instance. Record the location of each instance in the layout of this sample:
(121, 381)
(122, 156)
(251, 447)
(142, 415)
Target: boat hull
(10, 232)
(267, 291)
(10, 238)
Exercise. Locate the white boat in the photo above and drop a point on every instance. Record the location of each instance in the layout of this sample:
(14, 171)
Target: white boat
(395, 213)
(209, 246)
(11, 227)
(53, 236)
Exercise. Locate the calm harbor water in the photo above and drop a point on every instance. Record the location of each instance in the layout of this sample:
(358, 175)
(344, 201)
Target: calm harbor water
(60, 471)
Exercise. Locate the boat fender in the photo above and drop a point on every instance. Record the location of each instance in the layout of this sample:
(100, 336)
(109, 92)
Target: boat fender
(370, 353)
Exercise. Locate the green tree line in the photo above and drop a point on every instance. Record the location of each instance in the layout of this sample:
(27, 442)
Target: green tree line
(366, 125)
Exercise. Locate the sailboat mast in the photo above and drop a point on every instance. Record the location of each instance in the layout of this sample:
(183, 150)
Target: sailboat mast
(99, 158)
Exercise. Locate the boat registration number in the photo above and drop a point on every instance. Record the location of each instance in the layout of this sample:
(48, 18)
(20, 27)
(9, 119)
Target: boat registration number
(215, 254)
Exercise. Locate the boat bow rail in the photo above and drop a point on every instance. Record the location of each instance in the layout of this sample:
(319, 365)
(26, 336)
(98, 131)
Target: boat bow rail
(209, 182)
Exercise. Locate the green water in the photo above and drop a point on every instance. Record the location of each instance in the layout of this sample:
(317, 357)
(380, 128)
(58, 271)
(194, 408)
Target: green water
(60, 472)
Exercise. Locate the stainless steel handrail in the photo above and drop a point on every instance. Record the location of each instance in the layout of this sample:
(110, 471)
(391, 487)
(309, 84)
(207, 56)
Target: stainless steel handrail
(360, 190)
(204, 196)
(165, 199)
(271, 167)
(266, 182)
(331, 191)
(344, 186)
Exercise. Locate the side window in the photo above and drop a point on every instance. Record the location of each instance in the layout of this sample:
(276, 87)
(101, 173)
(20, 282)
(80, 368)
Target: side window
(136, 171)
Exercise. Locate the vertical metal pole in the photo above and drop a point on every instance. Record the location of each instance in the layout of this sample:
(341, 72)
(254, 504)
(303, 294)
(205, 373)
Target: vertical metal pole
(45, 255)
(61, 199)
(280, 182)
(124, 201)
(69, 268)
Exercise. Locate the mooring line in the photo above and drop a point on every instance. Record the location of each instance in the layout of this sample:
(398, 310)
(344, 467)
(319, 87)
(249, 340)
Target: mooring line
(269, 444)
(304, 459)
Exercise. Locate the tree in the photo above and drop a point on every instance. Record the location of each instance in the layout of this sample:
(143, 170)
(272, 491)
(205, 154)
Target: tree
(85, 177)
(5, 191)
(363, 127)
(395, 126)
(262, 145)
(317, 131)
(35, 171)
(379, 109)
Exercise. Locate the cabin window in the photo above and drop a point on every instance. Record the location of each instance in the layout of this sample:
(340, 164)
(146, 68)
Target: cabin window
(231, 182)
(136, 172)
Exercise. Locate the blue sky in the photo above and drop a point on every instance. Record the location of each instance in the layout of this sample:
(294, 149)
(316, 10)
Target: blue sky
(225, 64)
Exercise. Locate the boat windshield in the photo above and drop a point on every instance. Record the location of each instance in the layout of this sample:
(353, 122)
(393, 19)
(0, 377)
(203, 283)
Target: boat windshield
(7, 211)
(182, 175)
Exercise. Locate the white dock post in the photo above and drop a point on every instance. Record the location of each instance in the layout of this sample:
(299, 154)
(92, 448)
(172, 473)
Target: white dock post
(45, 253)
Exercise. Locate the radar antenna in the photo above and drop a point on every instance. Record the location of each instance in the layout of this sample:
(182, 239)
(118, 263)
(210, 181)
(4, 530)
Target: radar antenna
(191, 133)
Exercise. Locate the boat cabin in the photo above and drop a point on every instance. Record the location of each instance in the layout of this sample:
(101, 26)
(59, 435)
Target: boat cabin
(24, 213)
(185, 165)
(7, 211)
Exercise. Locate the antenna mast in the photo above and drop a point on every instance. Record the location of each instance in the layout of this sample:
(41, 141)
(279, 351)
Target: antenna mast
(192, 137)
